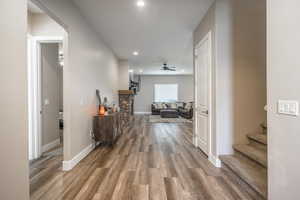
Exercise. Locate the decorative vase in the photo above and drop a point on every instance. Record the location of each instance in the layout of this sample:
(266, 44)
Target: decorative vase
(101, 110)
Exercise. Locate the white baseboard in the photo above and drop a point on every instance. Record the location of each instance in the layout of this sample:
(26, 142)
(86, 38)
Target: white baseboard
(215, 161)
(70, 164)
(51, 145)
(142, 113)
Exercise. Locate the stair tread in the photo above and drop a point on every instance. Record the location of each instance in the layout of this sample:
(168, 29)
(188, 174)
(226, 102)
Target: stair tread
(250, 172)
(261, 138)
(256, 154)
(264, 125)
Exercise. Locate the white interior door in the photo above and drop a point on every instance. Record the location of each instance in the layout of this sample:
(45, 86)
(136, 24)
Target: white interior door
(203, 87)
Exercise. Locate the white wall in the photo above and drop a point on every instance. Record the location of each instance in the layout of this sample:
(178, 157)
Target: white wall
(145, 97)
(91, 65)
(123, 75)
(283, 83)
(42, 25)
(14, 173)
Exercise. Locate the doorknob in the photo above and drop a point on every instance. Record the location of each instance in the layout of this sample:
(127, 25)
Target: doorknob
(205, 112)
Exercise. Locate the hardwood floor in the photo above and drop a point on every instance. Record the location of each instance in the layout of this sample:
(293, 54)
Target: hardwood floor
(151, 161)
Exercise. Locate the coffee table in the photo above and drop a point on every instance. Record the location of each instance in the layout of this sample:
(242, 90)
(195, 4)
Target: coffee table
(169, 114)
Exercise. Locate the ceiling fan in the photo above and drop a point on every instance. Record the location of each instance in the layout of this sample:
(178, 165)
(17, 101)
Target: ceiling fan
(165, 67)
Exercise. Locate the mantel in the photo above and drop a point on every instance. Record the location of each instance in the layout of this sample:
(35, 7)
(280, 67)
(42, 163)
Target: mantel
(126, 92)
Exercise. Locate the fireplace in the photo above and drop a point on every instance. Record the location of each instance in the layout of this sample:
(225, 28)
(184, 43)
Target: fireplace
(126, 104)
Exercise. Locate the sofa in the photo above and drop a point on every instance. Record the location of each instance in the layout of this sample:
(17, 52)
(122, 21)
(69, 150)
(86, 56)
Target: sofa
(184, 110)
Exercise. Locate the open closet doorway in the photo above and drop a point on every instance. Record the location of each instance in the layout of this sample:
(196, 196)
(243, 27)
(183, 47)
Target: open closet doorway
(46, 100)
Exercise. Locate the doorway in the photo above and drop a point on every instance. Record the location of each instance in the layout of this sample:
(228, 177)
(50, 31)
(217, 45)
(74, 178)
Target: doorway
(46, 95)
(203, 95)
(51, 96)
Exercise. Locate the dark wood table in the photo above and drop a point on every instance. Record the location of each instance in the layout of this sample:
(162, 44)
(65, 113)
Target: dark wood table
(107, 128)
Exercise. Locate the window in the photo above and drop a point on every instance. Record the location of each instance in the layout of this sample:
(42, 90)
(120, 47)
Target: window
(165, 92)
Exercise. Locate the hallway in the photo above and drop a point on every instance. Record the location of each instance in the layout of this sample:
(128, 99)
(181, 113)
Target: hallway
(150, 161)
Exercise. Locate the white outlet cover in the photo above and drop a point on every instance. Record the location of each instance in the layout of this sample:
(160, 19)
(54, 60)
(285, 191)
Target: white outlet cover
(81, 101)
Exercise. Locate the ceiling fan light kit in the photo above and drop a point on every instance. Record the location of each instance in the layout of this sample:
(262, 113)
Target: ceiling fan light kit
(168, 68)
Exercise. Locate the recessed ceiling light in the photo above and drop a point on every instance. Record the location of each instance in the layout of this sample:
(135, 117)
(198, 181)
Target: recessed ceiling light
(130, 71)
(141, 71)
(135, 53)
(140, 3)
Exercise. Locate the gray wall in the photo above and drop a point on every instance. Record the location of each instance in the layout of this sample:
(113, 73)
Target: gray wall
(90, 65)
(145, 97)
(14, 182)
(50, 92)
(40, 24)
(249, 60)
(283, 83)
(239, 69)
(123, 75)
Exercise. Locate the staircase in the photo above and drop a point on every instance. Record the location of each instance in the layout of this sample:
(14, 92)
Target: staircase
(249, 163)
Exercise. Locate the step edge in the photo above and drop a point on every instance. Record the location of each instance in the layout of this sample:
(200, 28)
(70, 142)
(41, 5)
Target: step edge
(252, 137)
(264, 163)
(239, 173)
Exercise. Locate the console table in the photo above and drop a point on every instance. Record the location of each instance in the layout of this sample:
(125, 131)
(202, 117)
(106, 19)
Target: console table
(107, 128)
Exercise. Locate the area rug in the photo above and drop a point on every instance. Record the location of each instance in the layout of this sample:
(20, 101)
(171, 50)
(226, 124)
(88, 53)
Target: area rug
(158, 119)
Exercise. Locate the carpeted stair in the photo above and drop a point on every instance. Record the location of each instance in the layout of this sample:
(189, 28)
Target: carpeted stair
(249, 163)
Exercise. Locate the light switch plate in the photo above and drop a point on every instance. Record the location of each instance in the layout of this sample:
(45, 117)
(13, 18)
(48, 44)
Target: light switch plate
(288, 107)
(47, 102)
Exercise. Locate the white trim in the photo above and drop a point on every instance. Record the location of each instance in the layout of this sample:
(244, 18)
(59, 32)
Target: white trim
(48, 39)
(70, 164)
(31, 145)
(215, 161)
(50, 145)
(142, 113)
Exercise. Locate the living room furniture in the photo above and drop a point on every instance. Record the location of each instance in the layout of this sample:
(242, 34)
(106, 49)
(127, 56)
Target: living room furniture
(172, 113)
(184, 110)
(187, 111)
(107, 128)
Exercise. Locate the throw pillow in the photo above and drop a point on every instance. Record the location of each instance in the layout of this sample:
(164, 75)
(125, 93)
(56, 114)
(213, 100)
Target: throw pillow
(179, 104)
(159, 105)
(164, 106)
(188, 106)
(173, 105)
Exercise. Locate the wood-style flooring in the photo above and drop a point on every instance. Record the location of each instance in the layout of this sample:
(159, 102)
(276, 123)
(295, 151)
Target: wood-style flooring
(150, 162)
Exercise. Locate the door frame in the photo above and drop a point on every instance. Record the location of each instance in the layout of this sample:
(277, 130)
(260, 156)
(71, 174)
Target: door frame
(210, 110)
(35, 91)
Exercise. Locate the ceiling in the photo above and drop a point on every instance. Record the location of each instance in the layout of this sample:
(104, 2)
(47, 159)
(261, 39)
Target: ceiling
(162, 31)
